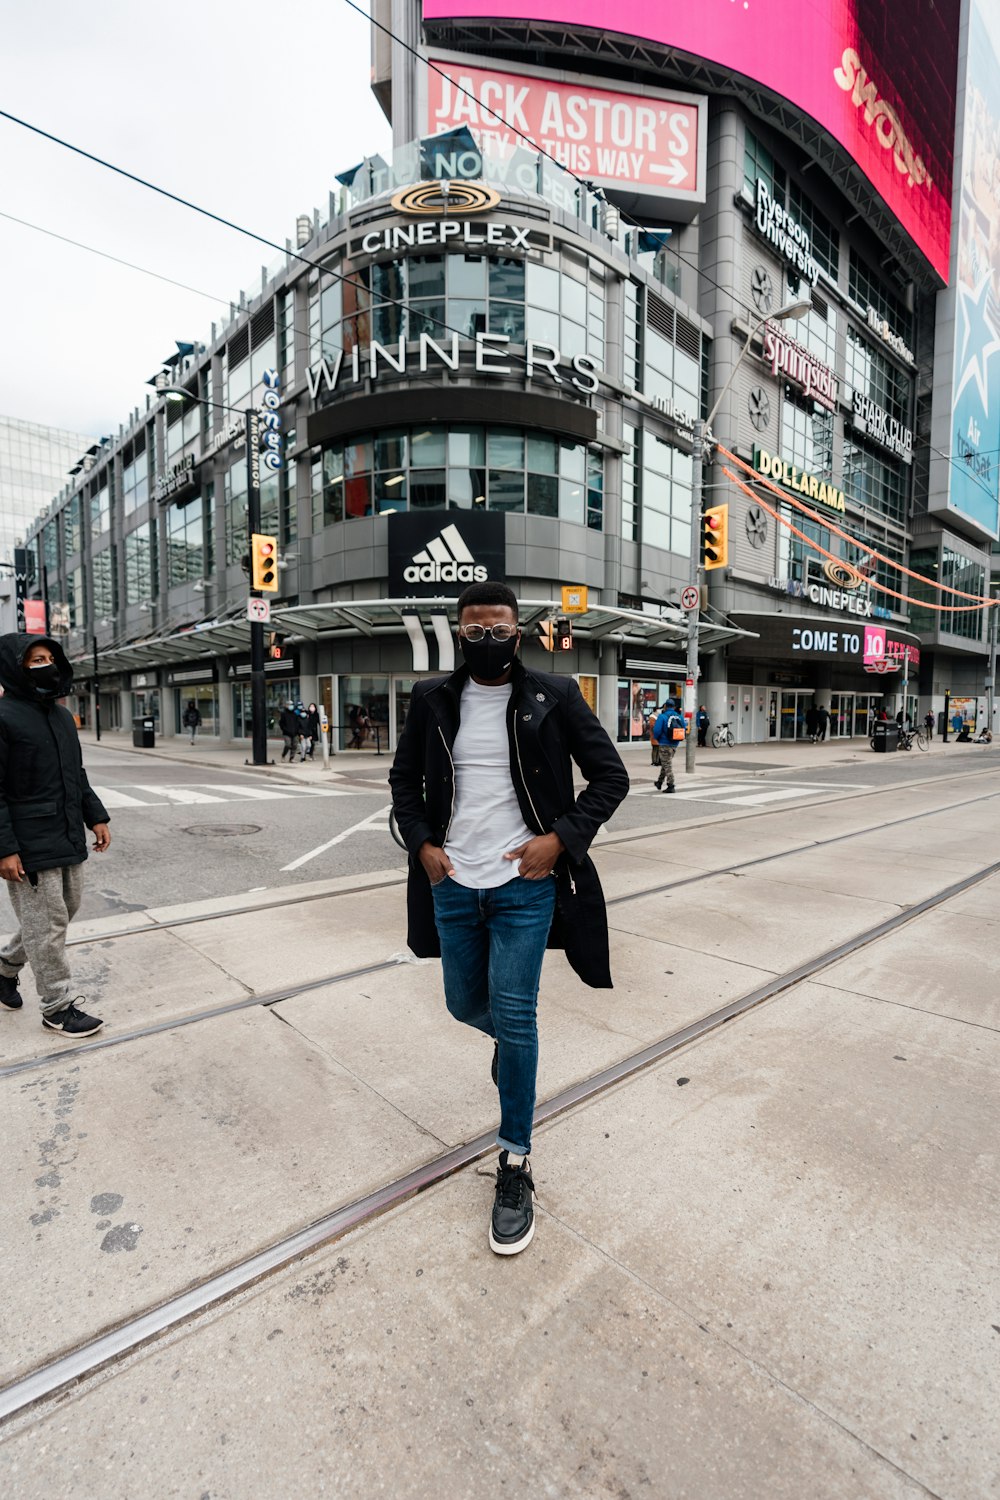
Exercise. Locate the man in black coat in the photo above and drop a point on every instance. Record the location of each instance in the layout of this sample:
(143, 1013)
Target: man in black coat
(482, 787)
(45, 801)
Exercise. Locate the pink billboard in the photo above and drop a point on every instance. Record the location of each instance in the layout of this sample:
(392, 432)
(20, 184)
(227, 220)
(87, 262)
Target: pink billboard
(878, 79)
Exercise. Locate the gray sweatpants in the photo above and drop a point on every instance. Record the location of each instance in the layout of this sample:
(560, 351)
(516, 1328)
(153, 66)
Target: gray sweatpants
(44, 911)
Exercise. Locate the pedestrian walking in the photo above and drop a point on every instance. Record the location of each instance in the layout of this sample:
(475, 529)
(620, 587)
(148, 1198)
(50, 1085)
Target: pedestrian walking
(929, 723)
(311, 731)
(46, 806)
(288, 723)
(703, 722)
(482, 787)
(812, 722)
(823, 722)
(192, 719)
(667, 733)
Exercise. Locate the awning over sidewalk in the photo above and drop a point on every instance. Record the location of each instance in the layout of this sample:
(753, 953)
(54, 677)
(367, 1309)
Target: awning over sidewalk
(416, 618)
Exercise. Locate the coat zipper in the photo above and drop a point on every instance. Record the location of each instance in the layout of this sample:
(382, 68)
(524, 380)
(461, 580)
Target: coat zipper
(451, 812)
(524, 783)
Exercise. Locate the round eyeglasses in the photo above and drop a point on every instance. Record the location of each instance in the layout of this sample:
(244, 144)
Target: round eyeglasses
(500, 633)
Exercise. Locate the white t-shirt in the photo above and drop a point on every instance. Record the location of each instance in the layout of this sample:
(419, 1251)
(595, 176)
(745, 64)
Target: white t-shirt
(487, 818)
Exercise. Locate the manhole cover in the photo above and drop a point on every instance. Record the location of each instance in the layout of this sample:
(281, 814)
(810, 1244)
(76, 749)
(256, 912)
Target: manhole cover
(221, 830)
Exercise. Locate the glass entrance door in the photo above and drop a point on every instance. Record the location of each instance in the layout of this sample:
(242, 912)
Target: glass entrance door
(793, 715)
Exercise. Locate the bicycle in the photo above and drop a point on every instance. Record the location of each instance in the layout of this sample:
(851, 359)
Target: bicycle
(723, 735)
(907, 738)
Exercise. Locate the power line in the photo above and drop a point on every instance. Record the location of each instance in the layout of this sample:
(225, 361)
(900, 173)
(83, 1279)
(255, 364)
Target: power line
(104, 254)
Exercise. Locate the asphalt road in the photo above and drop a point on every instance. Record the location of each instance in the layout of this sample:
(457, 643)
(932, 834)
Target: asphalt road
(187, 833)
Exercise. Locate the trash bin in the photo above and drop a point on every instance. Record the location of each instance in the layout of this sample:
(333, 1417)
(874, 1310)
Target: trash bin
(144, 733)
(885, 735)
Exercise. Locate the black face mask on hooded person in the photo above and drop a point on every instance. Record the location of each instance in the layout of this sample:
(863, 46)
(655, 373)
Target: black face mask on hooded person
(45, 678)
(488, 658)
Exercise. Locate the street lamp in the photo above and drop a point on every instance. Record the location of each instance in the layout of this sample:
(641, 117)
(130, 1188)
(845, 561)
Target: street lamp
(702, 450)
(252, 419)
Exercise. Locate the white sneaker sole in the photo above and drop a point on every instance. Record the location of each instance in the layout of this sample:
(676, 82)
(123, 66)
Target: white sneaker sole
(49, 1026)
(517, 1246)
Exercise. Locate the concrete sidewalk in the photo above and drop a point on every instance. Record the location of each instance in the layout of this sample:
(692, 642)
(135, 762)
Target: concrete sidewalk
(763, 1268)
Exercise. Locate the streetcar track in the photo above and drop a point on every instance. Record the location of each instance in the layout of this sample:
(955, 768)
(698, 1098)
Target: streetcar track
(275, 997)
(132, 1334)
(287, 896)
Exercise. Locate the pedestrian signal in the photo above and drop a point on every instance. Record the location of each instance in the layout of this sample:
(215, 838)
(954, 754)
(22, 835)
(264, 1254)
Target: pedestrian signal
(264, 562)
(545, 635)
(563, 635)
(715, 537)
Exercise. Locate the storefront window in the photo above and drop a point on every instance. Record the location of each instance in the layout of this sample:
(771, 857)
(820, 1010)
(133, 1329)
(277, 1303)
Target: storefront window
(276, 695)
(145, 705)
(464, 468)
(363, 713)
(206, 699)
(637, 701)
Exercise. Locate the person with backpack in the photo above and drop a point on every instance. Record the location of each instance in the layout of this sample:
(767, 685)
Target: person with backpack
(288, 723)
(667, 733)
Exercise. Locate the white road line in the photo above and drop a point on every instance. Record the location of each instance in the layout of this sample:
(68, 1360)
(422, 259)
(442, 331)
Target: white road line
(380, 816)
(254, 793)
(112, 798)
(180, 794)
(758, 799)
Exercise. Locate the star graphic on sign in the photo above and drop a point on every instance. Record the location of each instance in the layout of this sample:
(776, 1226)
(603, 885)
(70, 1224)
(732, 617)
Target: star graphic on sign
(979, 342)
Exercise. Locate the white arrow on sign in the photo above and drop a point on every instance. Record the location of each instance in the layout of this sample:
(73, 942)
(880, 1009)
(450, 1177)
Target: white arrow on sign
(259, 609)
(675, 170)
(690, 597)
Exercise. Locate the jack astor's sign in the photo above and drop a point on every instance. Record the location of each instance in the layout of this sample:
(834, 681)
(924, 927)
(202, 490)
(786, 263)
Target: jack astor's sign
(786, 357)
(772, 466)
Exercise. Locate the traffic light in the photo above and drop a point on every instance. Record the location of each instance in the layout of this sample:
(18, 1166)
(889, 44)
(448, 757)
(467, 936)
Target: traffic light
(545, 635)
(715, 537)
(563, 635)
(264, 562)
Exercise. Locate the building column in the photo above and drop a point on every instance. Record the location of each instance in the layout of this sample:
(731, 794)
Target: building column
(607, 700)
(168, 719)
(225, 686)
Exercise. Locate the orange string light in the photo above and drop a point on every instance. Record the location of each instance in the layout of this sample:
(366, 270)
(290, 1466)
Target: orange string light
(979, 601)
(907, 598)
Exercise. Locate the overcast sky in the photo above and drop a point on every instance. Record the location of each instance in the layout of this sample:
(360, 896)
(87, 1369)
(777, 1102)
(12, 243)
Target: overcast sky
(246, 108)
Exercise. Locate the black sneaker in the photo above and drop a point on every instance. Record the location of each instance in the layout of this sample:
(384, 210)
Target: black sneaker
(9, 995)
(513, 1221)
(670, 788)
(72, 1022)
(495, 1064)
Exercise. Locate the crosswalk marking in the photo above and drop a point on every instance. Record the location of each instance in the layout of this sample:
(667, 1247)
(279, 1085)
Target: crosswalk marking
(750, 793)
(117, 799)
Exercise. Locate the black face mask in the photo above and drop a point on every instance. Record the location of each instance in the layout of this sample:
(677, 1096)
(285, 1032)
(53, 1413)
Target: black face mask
(488, 658)
(45, 678)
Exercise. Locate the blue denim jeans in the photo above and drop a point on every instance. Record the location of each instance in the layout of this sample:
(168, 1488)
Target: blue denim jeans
(492, 945)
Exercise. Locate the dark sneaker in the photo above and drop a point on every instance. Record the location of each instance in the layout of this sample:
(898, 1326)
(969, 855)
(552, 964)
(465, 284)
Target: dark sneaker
(72, 1022)
(513, 1221)
(9, 995)
(495, 1064)
(670, 788)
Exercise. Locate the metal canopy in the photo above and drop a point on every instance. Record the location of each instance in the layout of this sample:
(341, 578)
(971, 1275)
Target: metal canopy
(377, 617)
(353, 618)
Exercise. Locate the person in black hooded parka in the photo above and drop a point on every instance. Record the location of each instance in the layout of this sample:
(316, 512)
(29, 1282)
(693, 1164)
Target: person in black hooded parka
(45, 803)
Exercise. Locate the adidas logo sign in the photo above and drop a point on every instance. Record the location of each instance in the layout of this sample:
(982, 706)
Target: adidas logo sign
(446, 559)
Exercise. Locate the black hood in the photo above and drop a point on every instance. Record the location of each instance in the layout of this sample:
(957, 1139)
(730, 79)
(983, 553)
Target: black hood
(16, 681)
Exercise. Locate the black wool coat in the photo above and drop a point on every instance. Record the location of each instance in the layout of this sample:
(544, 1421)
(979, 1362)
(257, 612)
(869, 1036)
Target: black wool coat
(46, 801)
(548, 727)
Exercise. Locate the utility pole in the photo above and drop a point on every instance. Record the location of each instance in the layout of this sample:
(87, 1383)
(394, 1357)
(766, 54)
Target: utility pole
(97, 694)
(991, 671)
(691, 686)
(258, 722)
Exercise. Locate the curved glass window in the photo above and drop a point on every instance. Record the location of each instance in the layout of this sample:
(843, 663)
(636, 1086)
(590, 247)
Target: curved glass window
(462, 468)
